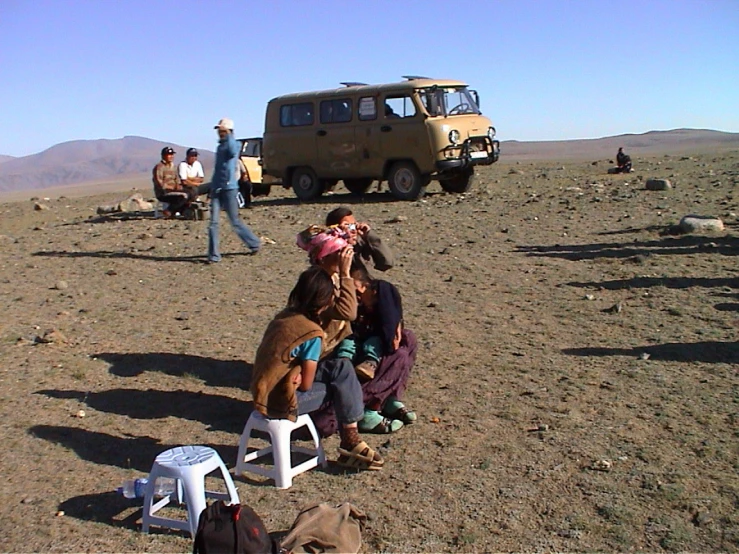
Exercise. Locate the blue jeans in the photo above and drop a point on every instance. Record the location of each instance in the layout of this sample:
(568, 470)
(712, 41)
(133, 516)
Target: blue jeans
(230, 203)
(335, 380)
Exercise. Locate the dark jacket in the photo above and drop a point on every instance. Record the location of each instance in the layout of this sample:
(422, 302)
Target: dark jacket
(384, 321)
(372, 248)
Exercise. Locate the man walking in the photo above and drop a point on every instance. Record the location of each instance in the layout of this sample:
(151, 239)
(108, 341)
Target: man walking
(224, 190)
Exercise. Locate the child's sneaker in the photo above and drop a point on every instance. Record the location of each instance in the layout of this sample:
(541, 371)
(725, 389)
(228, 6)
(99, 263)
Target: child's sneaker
(366, 370)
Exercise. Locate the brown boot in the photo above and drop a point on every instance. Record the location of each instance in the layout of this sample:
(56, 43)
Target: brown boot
(366, 370)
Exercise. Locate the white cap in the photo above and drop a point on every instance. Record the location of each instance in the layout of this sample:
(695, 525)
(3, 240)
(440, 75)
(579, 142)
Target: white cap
(226, 124)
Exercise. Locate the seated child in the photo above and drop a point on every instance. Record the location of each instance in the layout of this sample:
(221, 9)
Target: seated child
(376, 333)
(288, 363)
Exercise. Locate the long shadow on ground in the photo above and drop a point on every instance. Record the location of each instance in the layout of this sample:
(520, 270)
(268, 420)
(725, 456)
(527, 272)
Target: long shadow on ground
(213, 372)
(105, 507)
(668, 282)
(130, 452)
(112, 254)
(726, 246)
(708, 351)
(341, 198)
(219, 413)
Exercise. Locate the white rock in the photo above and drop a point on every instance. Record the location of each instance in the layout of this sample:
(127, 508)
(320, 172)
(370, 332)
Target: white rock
(701, 224)
(658, 184)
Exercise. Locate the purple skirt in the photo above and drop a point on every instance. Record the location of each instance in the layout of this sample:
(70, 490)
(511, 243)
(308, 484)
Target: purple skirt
(391, 379)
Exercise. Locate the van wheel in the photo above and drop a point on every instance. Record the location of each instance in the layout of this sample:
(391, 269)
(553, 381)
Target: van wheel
(462, 182)
(306, 184)
(358, 186)
(405, 181)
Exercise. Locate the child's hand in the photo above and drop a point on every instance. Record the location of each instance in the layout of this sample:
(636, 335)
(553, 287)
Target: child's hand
(345, 261)
(298, 379)
(398, 337)
(363, 229)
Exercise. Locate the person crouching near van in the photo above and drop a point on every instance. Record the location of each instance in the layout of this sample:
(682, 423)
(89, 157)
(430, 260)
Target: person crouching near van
(290, 378)
(224, 191)
(362, 238)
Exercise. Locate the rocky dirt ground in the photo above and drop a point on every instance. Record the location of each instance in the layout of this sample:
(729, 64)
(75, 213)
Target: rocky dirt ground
(576, 382)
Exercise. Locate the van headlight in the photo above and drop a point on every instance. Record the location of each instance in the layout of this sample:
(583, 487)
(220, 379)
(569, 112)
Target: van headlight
(454, 136)
(491, 133)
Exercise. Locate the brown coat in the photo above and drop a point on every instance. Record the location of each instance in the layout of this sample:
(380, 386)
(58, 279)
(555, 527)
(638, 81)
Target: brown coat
(275, 369)
(336, 322)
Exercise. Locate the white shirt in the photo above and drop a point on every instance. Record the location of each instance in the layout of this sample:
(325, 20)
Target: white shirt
(188, 171)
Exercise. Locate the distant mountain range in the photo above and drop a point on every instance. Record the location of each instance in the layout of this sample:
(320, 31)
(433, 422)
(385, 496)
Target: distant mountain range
(84, 161)
(80, 161)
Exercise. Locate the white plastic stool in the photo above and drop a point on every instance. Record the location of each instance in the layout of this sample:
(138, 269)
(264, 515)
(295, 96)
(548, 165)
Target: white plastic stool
(280, 431)
(188, 465)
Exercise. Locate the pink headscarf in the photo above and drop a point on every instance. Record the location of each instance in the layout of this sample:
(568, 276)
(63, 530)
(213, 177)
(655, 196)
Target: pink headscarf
(322, 244)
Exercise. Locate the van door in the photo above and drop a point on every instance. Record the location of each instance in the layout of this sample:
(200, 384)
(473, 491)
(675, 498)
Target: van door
(336, 149)
(367, 137)
(403, 132)
(293, 144)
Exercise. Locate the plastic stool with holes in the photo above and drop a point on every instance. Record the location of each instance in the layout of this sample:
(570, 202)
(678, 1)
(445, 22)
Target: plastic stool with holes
(188, 465)
(280, 431)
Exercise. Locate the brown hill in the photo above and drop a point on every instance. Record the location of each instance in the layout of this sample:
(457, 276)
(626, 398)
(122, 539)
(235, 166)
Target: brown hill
(677, 141)
(83, 161)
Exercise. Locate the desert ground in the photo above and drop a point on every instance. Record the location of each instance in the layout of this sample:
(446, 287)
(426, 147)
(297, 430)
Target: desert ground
(576, 381)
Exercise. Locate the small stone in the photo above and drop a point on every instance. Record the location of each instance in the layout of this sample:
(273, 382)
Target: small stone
(602, 465)
(267, 240)
(589, 297)
(658, 184)
(111, 272)
(38, 206)
(60, 513)
(698, 224)
(27, 500)
(615, 309)
(81, 413)
(397, 219)
(644, 356)
(61, 285)
(51, 336)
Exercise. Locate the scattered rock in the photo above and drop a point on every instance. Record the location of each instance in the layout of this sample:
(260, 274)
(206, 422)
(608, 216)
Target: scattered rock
(135, 203)
(267, 240)
(601, 465)
(702, 518)
(80, 414)
(644, 356)
(589, 297)
(111, 272)
(38, 206)
(700, 224)
(51, 336)
(397, 219)
(7, 239)
(61, 285)
(658, 184)
(60, 513)
(615, 309)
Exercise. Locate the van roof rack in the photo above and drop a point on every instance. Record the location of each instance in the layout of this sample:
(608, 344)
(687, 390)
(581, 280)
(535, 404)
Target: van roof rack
(353, 84)
(413, 77)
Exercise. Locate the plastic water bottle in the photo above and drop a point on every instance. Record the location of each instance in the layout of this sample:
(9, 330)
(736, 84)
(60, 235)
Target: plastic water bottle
(135, 488)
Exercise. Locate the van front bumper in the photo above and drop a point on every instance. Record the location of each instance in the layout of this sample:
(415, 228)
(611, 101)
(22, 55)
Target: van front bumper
(468, 157)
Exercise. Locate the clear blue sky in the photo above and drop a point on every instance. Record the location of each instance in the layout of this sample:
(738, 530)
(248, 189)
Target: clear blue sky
(545, 69)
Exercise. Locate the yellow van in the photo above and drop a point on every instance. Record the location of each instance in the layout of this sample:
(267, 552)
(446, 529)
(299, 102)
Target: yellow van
(407, 133)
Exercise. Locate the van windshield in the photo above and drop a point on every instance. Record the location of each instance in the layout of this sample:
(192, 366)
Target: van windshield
(448, 101)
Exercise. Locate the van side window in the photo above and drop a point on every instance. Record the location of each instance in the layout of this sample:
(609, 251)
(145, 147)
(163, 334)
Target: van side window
(398, 107)
(336, 111)
(367, 108)
(296, 115)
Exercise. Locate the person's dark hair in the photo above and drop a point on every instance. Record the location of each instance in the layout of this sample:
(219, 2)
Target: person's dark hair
(334, 217)
(359, 272)
(313, 291)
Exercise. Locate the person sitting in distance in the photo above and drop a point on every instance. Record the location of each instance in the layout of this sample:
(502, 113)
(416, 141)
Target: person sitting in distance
(191, 173)
(623, 161)
(168, 186)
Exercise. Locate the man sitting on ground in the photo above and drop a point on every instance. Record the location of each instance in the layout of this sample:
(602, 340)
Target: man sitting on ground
(191, 174)
(167, 185)
(623, 161)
